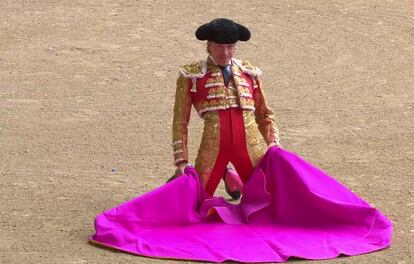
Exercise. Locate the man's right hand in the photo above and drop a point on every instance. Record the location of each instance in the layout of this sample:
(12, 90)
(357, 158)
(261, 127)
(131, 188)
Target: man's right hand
(178, 171)
(180, 168)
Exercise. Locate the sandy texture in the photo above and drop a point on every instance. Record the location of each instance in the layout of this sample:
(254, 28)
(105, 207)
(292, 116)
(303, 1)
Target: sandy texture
(87, 90)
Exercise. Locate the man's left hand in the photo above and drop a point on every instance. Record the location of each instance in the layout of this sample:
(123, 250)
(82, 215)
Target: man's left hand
(271, 144)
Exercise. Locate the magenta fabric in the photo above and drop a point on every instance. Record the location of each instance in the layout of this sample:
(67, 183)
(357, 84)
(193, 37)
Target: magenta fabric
(289, 208)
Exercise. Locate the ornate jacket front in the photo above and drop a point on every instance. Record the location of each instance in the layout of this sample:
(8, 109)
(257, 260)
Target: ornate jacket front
(201, 84)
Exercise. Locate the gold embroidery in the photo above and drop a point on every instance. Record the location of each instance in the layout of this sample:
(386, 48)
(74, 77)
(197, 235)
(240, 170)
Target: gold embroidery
(209, 146)
(265, 116)
(215, 104)
(216, 92)
(219, 102)
(255, 144)
(247, 65)
(192, 69)
(215, 80)
(216, 74)
(248, 68)
(237, 94)
(244, 92)
(182, 110)
(246, 102)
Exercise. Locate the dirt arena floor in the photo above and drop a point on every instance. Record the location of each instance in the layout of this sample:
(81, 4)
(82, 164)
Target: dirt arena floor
(87, 89)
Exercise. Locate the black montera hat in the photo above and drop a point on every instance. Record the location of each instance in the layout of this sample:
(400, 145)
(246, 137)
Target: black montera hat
(223, 31)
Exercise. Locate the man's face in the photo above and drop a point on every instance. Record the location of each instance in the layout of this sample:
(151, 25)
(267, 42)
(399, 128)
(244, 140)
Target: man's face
(222, 53)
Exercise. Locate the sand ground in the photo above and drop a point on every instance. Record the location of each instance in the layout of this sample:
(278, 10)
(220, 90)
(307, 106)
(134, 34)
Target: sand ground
(87, 90)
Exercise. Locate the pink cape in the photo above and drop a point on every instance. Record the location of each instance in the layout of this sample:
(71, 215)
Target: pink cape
(289, 208)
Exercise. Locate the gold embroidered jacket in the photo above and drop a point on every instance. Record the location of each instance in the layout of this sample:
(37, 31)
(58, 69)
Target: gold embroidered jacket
(201, 84)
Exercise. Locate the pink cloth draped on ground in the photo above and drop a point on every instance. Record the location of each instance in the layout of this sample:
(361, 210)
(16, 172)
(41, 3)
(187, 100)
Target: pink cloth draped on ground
(289, 208)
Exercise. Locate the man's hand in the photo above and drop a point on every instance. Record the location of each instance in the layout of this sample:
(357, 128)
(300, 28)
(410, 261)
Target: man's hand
(180, 168)
(271, 144)
(178, 171)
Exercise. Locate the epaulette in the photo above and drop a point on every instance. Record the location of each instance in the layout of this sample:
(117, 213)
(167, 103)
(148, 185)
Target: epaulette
(248, 68)
(194, 70)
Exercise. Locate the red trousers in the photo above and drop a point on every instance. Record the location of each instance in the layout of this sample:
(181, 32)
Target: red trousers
(232, 149)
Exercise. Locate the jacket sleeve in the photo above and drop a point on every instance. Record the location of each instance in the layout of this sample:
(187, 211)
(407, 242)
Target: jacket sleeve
(182, 111)
(264, 115)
